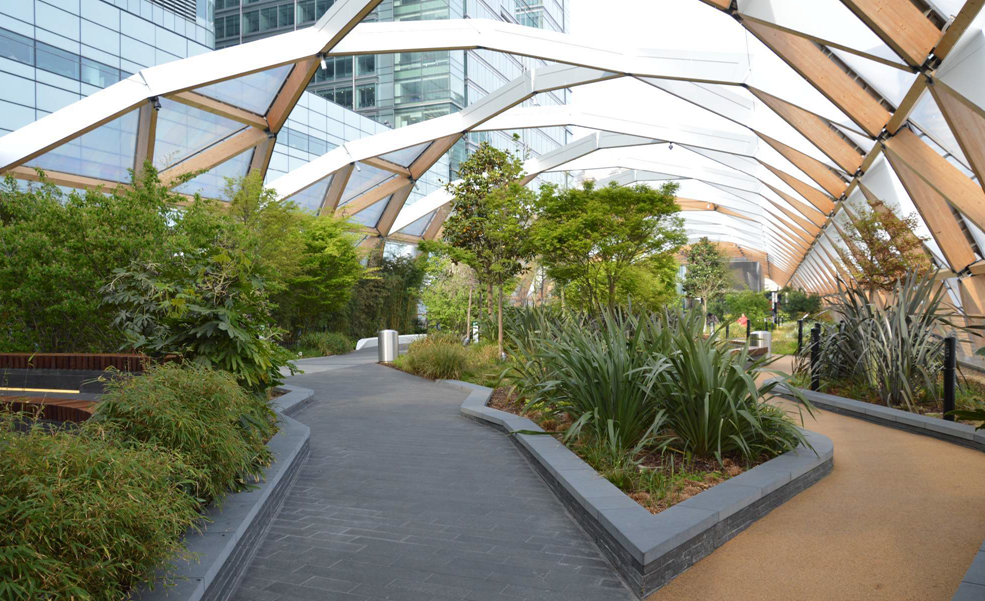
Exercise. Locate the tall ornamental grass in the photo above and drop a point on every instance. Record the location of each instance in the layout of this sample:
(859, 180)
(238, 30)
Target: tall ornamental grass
(896, 349)
(629, 382)
(218, 427)
(86, 517)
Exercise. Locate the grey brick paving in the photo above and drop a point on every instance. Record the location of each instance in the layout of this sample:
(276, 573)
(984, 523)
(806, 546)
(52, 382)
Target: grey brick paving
(401, 499)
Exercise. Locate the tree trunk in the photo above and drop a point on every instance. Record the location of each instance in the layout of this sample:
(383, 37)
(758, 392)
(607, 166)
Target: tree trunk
(612, 295)
(492, 311)
(500, 321)
(468, 318)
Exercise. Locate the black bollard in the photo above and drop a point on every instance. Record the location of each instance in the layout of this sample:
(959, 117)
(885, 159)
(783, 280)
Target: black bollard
(748, 328)
(950, 365)
(727, 324)
(800, 335)
(816, 358)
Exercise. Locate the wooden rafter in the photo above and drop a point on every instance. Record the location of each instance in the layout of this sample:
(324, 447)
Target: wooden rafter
(812, 215)
(436, 222)
(967, 122)
(215, 107)
(386, 165)
(901, 25)
(965, 17)
(65, 179)
(431, 154)
(815, 129)
(815, 169)
(262, 154)
(290, 92)
(936, 213)
(146, 135)
(967, 196)
(372, 196)
(215, 154)
(806, 58)
(335, 189)
(385, 224)
(821, 202)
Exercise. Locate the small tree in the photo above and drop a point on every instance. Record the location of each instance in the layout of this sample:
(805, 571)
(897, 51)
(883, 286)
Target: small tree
(597, 237)
(708, 275)
(490, 220)
(886, 249)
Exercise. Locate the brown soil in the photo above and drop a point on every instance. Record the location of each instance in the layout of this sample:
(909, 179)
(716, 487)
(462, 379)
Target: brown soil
(682, 489)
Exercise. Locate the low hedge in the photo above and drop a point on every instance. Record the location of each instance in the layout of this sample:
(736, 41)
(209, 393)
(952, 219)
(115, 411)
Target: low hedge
(216, 425)
(84, 516)
(324, 344)
(93, 512)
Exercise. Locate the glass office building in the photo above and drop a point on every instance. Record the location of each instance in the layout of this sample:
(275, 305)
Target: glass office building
(406, 88)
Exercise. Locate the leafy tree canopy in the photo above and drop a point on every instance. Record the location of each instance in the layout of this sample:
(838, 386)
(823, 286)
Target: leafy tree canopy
(708, 275)
(595, 238)
(883, 248)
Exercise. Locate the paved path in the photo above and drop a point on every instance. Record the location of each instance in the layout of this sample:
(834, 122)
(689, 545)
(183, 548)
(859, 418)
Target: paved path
(900, 517)
(403, 499)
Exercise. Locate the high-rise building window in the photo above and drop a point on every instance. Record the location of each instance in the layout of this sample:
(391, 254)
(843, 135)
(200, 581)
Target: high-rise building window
(98, 74)
(268, 18)
(367, 95)
(306, 11)
(286, 18)
(251, 21)
(16, 47)
(366, 65)
(58, 61)
(224, 4)
(343, 96)
(343, 67)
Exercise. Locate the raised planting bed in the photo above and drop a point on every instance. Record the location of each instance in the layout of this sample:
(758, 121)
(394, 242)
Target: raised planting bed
(953, 432)
(227, 544)
(650, 550)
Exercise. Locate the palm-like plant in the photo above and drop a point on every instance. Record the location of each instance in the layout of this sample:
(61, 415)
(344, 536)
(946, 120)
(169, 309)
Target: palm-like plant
(896, 349)
(714, 406)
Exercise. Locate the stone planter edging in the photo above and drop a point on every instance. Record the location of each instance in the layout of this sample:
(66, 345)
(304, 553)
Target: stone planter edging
(650, 550)
(972, 587)
(955, 433)
(228, 543)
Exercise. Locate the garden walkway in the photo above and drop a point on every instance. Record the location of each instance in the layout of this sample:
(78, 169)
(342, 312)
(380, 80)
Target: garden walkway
(900, 517)
(403, 499)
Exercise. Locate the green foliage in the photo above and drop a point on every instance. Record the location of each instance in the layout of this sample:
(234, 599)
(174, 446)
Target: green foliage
(884, 248)
(709, 393)
(329, 269)
(204, 415)
(707, 276)
(57, 251)
(631, 382)
(490, 221)
(436, 357)
(324, 344)
(207, 307)
(85, 517)
(796, 303)
(731, 306)
(893, 348)
(609, 241)
(446, 294)
(386, 298)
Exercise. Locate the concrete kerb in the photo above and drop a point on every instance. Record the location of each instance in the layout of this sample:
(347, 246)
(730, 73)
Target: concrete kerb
(227, 544)
(972, 587)
(952, 432)
(650, 550)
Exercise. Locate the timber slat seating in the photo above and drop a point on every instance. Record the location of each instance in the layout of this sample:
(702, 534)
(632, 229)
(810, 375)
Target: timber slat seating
(75, 361)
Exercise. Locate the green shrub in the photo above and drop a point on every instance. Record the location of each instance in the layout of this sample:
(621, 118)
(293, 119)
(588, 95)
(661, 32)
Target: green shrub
(895, 348)
(201, 413)
(324, 344)
(630, 382)
(84, 517)
(436, 357)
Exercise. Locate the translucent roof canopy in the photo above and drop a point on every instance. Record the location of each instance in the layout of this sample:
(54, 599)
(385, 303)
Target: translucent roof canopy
(801, 110)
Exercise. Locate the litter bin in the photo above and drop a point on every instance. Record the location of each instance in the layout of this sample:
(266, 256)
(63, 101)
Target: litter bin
(760, 339)
(389, 344)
